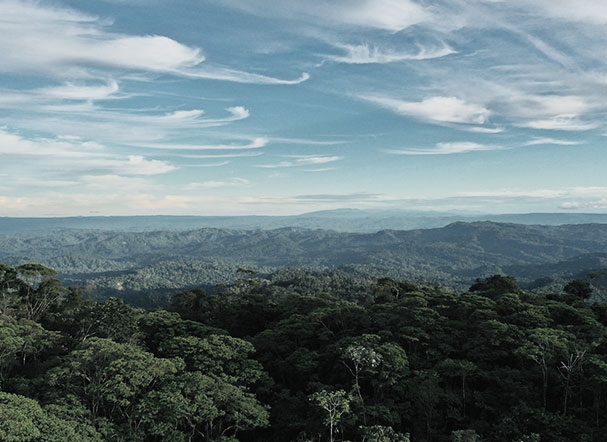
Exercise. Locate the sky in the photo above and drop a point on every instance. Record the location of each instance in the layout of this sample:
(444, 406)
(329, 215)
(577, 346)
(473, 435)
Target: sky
(242, 107)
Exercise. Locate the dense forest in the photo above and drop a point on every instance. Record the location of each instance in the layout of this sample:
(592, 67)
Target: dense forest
(303, 357)
(149, 265)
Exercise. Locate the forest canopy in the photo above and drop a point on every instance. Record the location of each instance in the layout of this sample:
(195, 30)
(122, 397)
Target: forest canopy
(297, 359)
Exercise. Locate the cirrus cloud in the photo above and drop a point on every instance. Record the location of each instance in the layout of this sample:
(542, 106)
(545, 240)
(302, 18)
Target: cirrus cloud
(434, 109)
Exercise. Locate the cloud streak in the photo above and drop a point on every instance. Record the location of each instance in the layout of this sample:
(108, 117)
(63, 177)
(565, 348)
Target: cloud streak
(434, 109)
(302, 160)
(444, 149)
(64, 42)
(256, 143)
(368, 54)
(389, 15)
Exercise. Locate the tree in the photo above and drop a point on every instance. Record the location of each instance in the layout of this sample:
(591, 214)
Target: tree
(571, 364)
(23, 420)
(194, 405)
(496, 285)
(21, 340)
(108, 376)
(461, 369)
(361, 355)
(335, 404)
(9, 288)
(579, 288)
(465, 436)
(379, 433)
(39, 289)
(541, 348)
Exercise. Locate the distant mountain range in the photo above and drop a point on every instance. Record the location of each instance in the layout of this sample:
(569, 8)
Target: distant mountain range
(453, 255)
(343, 220)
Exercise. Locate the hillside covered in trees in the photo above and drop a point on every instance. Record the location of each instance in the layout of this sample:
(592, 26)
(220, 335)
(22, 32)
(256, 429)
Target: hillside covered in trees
(150, 265)
(302, 357)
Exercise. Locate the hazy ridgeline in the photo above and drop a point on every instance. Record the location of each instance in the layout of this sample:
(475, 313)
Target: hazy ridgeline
(135, 263)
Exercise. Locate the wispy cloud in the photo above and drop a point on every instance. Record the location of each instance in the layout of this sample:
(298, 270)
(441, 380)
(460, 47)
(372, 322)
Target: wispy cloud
(217, 184)
(256, 143)
(576, 205)
(14, 144)
(302, 160)
(64, 42)
(34, 37)
(225, 74)
(343, 197)
(322, 169)
(368, 54)
(221, 155)
(541, 141)
(389, 15)
(483, 130)
(304, 141)
(584, 11)
(561, 122)
(444, 149)
(138, 165)
(434, 109)
(71, 91)
(73, 153)
(220, 164)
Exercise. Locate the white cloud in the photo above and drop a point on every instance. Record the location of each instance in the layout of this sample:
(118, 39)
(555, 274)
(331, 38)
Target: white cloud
(390, 15)
(138, 165)
(220, 164)
(599, 204)
(534, 106)
(39, 38)
(483, 130)
(439, 109)
(182, 115)
(588, 191)
(67, 43)
(301, 161)
(584, 11)
(217, 184)
(254, 144)
(561, 122)
(221, 155)
(444, 149)
(179, 118)
(540, 141)
(393, 15)
(306, 141)
(236, 76)
(70, 91)
(13, 144)
(367, 54)
(322, 169)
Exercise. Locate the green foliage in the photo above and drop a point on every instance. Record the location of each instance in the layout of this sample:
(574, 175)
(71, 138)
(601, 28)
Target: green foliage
(303, 356)
(579, 288)
(465, 436)
(147, 267)
(379, 433)
(23, 419)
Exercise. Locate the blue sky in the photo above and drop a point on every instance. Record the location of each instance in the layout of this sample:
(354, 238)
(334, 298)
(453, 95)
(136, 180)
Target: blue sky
(127, 107)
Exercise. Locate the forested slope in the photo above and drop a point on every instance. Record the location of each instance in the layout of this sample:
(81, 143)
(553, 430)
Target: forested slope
(132, 262)
(296, 357)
